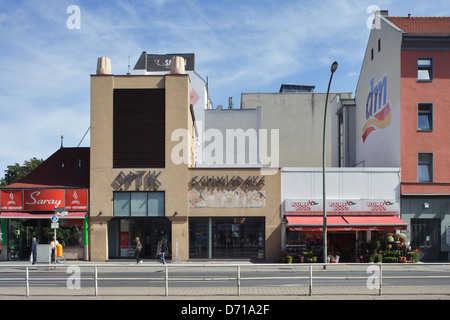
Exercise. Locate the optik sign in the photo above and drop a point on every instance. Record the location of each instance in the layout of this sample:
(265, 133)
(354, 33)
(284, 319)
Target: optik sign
(378, 110)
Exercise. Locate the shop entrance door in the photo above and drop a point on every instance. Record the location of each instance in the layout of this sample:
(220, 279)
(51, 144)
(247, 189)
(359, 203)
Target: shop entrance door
(425, 236)
(123, 231)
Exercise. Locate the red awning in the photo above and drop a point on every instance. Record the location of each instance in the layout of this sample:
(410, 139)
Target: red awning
(345, 223)
(376, 222)
(315, 223)
(26, 215)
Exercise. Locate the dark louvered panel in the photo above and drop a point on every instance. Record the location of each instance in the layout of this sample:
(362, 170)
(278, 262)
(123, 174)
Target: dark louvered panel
(139, 128)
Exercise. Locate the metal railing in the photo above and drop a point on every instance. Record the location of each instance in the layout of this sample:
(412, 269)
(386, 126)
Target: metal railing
(376, 273)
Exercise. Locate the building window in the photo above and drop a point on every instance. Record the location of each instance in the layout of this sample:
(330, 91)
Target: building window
(225, 238)
(379, 45)
(425, 69)
(425, 167)
(371, 54)
(139, 128)
(139, 204)
(425, 117)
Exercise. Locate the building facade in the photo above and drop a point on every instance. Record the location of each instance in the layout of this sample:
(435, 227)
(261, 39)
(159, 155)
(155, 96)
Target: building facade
(144, 182)
(401, 107)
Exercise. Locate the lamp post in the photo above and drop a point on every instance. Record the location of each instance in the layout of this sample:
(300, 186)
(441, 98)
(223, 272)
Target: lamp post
(325, 255)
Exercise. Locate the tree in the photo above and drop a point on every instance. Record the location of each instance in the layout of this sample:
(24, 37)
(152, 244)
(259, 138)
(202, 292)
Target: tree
(16, 172)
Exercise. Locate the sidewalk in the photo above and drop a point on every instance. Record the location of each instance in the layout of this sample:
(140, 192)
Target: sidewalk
(212, 292)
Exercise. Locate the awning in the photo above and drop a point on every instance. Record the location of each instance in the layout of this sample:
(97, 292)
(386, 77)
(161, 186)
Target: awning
(315, 223)
(27, 215)
(376, 223)
(345, 223)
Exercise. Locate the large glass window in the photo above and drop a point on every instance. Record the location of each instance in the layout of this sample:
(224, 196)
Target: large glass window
(139, 204)
(123, 231)
(224, 238)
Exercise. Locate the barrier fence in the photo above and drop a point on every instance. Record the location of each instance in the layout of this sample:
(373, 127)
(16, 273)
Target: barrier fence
(373, 278)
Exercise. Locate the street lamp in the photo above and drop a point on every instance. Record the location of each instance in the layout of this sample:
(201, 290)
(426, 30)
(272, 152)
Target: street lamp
(332, 69)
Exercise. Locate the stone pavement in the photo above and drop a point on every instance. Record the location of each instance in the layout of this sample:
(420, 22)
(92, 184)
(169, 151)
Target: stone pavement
(253, 293)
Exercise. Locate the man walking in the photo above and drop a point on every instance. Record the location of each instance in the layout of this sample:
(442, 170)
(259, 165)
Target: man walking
(137, 250)
(34, 244)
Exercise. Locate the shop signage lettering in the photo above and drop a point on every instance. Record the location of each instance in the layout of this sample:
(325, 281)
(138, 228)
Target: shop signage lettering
(363, 206)
(378, 112)
(44, 199)
(47, 201)
(151, 180)
(225, 181)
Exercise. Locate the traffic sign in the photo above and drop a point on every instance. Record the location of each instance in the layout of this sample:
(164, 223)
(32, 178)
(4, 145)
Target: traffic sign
(55, 218)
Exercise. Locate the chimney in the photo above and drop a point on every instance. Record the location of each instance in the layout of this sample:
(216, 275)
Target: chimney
(103, 66)
(383, 13)
(177, 65)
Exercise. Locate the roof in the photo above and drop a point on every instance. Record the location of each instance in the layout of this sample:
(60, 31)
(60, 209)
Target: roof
(66, 168)
(436, 26)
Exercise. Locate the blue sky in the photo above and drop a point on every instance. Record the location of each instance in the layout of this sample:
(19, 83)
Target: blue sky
(241, 46)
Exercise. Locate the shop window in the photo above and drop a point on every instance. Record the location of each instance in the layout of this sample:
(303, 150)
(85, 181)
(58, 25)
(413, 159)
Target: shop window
(424, 69)
(425, 117)
(225, 238)
(425, 167)
(139, 204)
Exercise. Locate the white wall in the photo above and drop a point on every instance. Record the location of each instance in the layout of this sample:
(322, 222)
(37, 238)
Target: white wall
(381, 146)
(341, 183)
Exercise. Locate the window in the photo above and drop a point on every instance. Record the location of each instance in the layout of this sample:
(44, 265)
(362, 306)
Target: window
(425, 167)
(425, 117)
(379, 45)
(139, 128)
(225, 238)
(139, 204)
(371, 54)
(424, 69)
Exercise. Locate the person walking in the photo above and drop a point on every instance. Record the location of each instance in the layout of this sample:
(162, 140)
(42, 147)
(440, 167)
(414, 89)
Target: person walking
(34, 244)
(161, 250)
(137, 250)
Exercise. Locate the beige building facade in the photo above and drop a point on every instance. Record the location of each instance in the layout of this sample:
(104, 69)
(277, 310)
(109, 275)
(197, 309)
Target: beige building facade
(143, 180)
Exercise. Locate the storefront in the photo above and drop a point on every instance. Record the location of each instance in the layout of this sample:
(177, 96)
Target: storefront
(353, 226)
(138, 214)
(62, 182)
(26, 213)
(359, 221)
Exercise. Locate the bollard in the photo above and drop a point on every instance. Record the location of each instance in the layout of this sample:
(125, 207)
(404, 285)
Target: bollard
(238, 278)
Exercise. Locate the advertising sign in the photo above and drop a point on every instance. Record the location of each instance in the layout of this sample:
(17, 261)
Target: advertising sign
(43, 199)
(11, 200)
(364, 206)
(76, 200)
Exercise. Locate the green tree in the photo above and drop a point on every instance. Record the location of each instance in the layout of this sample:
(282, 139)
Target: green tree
(16, 172)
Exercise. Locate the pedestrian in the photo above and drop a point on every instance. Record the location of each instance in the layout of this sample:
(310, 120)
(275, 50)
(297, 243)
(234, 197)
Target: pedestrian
(137, 250)
(34, 244)
(161, 250)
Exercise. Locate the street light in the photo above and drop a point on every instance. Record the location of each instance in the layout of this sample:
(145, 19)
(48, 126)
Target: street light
(332, 69)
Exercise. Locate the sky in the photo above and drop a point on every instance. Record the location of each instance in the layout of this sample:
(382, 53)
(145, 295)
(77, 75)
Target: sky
(49, 49)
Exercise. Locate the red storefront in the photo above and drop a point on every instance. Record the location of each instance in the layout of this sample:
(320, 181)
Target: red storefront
(61, 182)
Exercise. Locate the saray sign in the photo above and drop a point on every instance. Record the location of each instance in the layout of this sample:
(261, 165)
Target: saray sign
(44, 199)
